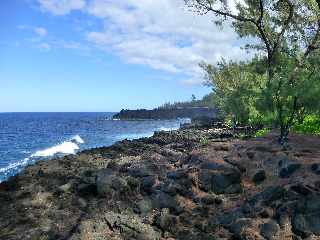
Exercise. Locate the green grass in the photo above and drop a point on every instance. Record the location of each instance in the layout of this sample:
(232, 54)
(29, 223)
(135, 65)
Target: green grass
(310, 125)
(262, 132)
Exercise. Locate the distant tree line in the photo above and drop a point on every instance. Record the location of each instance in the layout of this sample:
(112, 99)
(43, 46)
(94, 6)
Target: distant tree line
(206, 101)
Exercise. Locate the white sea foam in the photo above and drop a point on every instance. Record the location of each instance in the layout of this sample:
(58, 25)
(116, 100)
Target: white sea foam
(67, 147)
(168, 129)
(15, 165)
(78, 139)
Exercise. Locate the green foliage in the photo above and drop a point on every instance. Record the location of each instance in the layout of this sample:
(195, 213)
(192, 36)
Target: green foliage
(287, 33)
(310, 125)
(262, 132)
(237, 87)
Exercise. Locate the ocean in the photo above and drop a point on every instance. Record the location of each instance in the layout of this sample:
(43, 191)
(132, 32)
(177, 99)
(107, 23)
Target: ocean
(28, 137)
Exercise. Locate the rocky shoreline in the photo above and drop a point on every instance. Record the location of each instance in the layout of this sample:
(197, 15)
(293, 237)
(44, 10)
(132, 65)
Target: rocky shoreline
(191, 183)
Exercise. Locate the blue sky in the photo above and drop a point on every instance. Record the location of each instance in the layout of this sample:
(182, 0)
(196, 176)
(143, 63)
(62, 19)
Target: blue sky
(104, 55)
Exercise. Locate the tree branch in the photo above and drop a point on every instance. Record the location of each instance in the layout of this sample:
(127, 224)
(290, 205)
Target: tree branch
(208, 7)
(285, 25)
(318, 2)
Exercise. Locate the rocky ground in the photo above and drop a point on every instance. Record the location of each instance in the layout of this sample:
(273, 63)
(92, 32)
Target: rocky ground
(185, 184)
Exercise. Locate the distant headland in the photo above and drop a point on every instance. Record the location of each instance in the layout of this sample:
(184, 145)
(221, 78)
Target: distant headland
(180, 112)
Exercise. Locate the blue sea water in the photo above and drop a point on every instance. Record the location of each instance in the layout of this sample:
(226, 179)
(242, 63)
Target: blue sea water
(28, 137)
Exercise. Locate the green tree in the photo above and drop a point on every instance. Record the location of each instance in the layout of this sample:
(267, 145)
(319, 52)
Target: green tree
(288, 33)
(236, 87)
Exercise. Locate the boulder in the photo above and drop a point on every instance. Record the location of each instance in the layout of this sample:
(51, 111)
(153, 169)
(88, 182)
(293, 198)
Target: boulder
(131, 227)
(144, 206)
(108, 182)
(289, 170)
(239, 225)
(220, 182)
(163, 200)
(178, 174)
(104, 182)
(138, 172)
(259, 177)
(87, 189)
(307, 216)
(164, 220)
(315, 168)
(270, 230)
(147, 183)
(226, 182)
(120, 185)
(170, 188)
(282, 159)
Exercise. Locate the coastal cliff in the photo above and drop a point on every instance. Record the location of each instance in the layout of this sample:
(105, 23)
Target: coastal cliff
(185, 184)
(187, 112)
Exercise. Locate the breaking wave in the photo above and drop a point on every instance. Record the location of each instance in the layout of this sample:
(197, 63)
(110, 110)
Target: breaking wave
(67, 147)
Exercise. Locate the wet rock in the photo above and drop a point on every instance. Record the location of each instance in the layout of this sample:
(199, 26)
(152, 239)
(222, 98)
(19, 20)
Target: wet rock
(289, 170)
(270, 230)
(259, 177)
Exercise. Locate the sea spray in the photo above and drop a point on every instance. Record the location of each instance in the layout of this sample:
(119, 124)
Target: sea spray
(67, 147)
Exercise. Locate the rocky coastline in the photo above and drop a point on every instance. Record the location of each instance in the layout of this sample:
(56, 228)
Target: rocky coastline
(203, 183)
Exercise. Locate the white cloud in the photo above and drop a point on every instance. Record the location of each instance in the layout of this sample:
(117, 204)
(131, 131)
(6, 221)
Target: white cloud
(42, 32)
(61, 7)
(162, 34)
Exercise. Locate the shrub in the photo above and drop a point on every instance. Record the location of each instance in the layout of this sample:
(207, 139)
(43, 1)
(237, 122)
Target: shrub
(310, 125)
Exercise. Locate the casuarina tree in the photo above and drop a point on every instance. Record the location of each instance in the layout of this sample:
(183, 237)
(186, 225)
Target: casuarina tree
(287, 33)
